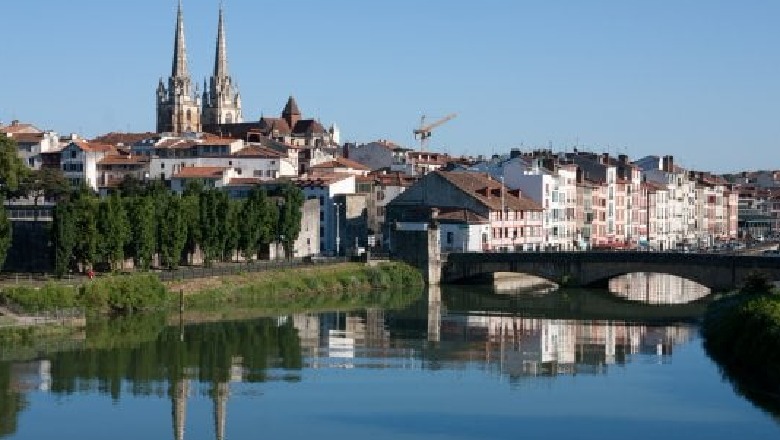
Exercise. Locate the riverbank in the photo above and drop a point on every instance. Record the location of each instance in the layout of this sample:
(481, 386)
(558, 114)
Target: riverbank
(312, 285)
(742, 333)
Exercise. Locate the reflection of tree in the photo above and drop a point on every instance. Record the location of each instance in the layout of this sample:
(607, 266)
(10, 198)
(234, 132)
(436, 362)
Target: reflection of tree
(11, 402)
(155, 353)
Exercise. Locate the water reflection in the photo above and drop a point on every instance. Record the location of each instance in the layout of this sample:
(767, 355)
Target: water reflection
(514, 338)
(657, 288)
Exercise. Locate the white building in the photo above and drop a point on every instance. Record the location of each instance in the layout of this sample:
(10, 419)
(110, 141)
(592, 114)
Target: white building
(79, 162)
(324, 187)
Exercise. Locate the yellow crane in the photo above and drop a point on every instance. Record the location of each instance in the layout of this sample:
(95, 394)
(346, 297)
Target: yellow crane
(424, 132)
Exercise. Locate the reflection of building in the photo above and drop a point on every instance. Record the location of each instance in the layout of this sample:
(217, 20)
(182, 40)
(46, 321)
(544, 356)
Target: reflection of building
(656, 288)
(534, 346)
(330, 338)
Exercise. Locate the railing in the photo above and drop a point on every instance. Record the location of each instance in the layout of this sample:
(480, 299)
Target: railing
(222, 269)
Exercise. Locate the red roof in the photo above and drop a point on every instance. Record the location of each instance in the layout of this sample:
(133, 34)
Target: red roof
(93, 147)
(200, 173)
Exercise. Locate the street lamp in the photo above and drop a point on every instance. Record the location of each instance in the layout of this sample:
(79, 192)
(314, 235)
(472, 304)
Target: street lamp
(338, 237)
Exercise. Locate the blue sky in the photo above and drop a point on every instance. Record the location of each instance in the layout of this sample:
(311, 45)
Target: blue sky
(696, 79)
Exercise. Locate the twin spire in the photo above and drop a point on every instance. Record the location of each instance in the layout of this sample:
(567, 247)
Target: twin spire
(180, 68)
(178, 109)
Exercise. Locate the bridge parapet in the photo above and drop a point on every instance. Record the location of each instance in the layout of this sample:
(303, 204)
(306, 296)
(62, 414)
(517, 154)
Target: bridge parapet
(719, 272)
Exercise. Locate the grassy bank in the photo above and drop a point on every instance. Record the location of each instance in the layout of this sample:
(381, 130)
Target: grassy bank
(742, 334)
(315, 287)
(307, 287)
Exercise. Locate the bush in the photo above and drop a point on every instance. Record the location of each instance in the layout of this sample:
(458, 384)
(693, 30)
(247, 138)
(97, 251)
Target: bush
(124, 294)
(756, 282)
(42, 299)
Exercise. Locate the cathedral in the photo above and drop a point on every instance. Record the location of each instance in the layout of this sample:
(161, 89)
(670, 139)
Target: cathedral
(181, 108)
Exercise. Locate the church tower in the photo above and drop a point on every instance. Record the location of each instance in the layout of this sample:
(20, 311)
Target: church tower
(221, 101)
(178, 108)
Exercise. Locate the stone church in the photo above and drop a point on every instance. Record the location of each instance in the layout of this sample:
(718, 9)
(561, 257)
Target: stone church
(181, 108)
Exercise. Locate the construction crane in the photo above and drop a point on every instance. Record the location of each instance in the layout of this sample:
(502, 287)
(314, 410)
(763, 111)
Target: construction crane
(424, 132)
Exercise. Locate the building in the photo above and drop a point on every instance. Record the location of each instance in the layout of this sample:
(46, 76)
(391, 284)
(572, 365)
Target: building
(30, 146)
(324, 188)
(79, 162)
(515, 221)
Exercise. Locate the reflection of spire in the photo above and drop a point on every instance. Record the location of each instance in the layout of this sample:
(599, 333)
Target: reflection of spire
(221, 394)
(179, 396)
(434, 313)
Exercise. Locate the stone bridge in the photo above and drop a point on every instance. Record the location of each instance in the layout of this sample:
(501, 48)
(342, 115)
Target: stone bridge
(719, 272)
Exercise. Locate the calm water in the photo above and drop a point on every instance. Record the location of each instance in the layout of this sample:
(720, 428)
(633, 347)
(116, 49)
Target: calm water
(458, 364)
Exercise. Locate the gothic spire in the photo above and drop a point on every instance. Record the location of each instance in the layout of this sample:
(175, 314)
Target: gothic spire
(179, 48)
(220, 61)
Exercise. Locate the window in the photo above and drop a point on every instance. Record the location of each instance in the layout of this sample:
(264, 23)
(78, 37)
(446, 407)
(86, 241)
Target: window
(73, 154)
(450, 237)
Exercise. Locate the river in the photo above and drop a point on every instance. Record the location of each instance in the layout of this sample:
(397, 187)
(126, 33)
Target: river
(458, 363)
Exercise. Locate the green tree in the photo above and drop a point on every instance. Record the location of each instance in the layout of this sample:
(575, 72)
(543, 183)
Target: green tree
(143, 231)
(213, 221)
(6, 233)
(290, 216)
(131, 186)
(232, 228)
(85, 207)
(12, 169)
(113, 229)
(191, 213)
(249, 227)
(63, 236)
(46, 183)
(173, 232)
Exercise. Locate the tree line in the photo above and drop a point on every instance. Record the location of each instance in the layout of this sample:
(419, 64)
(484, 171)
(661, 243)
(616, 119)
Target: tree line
(142, 221)
(150, 221)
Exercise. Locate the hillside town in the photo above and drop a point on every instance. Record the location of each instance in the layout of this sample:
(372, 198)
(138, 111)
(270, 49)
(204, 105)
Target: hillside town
(358, 194)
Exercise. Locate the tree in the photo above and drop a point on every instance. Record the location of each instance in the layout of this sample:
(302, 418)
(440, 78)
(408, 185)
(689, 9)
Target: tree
(143, 231)
(85, 207)
(6, 233)
(172, 232)
(290, 216)
(191, 213)
(232, 229)
(131, 186)
(113, 229)
(46, 183)
(12, 169)
(63, 236)
(213, 221)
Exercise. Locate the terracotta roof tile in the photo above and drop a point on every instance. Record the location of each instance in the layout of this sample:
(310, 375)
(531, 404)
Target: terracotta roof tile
(27, 138)
(115, 138)
(460, 216)
(120, 159)
(488, 191)
(94, 147)
(258, 151)
(200, 173)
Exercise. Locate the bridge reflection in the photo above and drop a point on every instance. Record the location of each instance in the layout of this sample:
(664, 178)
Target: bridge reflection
(656, 288)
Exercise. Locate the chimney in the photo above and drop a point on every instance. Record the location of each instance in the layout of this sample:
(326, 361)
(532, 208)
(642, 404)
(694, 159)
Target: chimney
(671, 163)
(623, 158)
(665, 163)
(514, 153)
(14, 123)
(604, 158)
